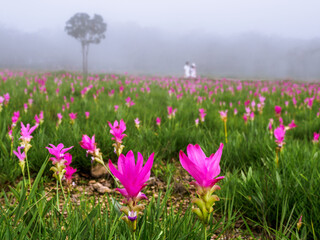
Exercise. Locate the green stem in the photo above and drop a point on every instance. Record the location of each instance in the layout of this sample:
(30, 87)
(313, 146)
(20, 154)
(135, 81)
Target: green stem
(57, 195)
(225, 131)
(28, 171)
(133, 236)
(64, 196)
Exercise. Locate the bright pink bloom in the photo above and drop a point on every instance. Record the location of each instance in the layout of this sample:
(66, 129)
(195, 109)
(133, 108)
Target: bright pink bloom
(69, 172)
(1, 100)
(279, 133)
(116, 107)
(26, 132)
(277, 110)
(88, 144)
(59, 115)
(316, 137)
(87, 115)
(292, 125)
(158, 121)
(73, 116)
(15, 118)
(117, 130)
(21, 156)
(133, 176)
(203, 169)
(58, 152)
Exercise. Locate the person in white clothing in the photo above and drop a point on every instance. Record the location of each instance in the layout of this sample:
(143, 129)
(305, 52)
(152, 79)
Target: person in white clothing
(193, 71)
(186, 70)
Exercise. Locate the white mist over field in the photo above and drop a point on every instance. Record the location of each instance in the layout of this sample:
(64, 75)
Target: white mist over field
(247, 39)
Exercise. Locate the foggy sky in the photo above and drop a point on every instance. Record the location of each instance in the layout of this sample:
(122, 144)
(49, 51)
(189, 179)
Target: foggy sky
(285, 18)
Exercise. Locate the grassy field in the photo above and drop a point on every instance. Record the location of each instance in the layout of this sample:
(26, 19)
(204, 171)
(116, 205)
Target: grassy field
(264, 193)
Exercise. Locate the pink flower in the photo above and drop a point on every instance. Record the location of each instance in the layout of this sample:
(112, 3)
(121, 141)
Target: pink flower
(88, 144)
(235, 111)
(58, 152)
(245, 118)
(202, 114)
(277, 110)
(137, 123)
(223, 115)
(39, 119)
(252, 116)
(15, 118)
(316, 137)
(21, 156)
(196, 122)
(129, 102)
(69, 172)
(117, 130)
(59, 115)
(6, 98)
(292, 125)
(279, 133)
(116, 107)
(158, 121)
(26, 132)
(171, 112)
(203, 169)
(87, 115)
(73, 116)
(133, 176)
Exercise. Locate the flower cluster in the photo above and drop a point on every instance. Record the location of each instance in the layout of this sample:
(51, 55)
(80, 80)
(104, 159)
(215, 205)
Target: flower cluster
(61, 160)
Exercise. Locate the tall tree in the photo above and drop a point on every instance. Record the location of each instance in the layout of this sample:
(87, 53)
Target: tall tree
(87, 31)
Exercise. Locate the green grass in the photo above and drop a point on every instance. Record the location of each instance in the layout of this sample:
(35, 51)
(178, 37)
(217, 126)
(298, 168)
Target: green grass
(266, 199)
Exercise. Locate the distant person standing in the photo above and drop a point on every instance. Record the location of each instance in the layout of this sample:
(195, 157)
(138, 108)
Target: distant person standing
(193, 71)
(186, 70)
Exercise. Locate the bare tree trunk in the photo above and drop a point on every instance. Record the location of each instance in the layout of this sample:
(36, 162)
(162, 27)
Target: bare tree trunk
(83, 59)
(87, 51)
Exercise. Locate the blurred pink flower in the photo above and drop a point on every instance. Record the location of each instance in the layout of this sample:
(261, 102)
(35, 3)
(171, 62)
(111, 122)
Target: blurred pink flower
(26, 132)
(87, 115)
(117, 130)
(277, 110)
(129, 102)
(171, 112)
(58, 152)
(279, 134)
(158, 121)
(292, 125)
(88, 144)
(20, 156)
(223, 115)
(316, 137)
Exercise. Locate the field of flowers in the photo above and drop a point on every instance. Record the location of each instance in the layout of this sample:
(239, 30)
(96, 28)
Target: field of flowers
(250, 150)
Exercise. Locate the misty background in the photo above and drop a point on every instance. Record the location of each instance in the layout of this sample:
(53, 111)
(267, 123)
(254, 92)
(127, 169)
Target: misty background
(137, 46)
